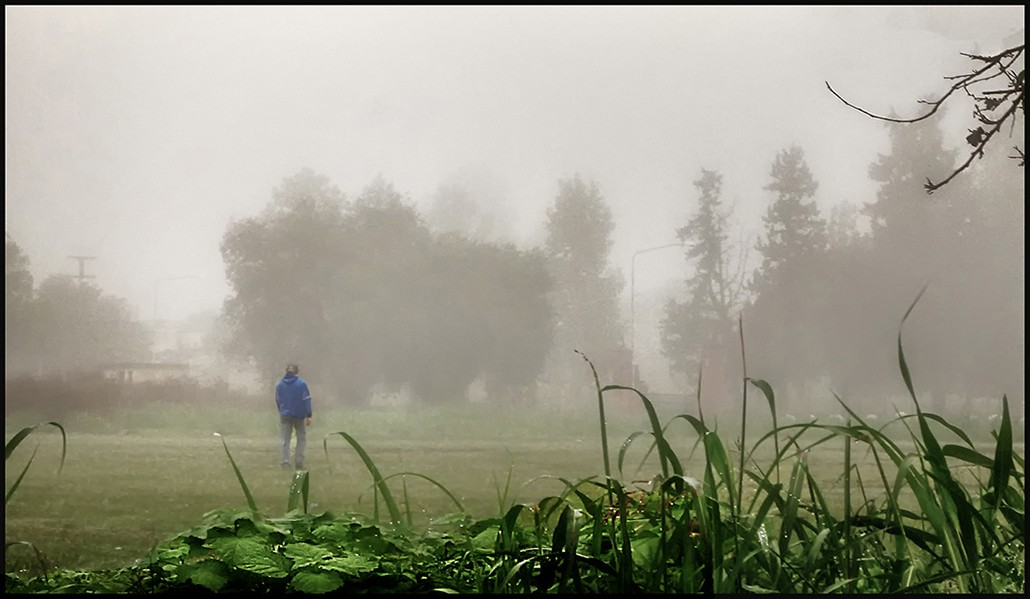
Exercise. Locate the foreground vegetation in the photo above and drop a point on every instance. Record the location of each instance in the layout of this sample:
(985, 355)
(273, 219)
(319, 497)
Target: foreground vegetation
(948, 516)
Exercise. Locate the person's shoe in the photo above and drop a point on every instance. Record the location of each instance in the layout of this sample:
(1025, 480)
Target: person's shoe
(299, 467)
(284, 465)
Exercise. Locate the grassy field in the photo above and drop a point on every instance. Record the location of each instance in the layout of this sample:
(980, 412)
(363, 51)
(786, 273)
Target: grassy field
(138, 475)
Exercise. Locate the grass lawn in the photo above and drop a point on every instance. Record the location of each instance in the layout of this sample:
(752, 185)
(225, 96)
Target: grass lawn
(138, 476)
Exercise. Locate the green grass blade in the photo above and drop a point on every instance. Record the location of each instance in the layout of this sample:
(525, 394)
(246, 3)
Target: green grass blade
(298, 491)
(600, 410)
(38, 553)
(736, 507)
(17, 439)
(239, 476)
(716, 458)
(377, 479)
(20, 436)
(1002, 467)
(938, 419)
(451, 496)
(407, 502)
(901, 353)
(625, 447)
(849, 556)
(502, 496)
(17, 483)
(770, 397)
(967, 455)
(665, 453)
(790, 509)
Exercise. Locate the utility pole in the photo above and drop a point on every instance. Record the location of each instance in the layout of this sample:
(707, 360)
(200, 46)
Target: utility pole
(82, 267)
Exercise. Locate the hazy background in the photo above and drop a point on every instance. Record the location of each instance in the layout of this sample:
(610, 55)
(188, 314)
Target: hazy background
(140, 136)
(135, 134)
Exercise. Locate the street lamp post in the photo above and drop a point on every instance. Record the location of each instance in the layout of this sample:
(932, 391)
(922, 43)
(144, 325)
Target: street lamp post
(632, 302)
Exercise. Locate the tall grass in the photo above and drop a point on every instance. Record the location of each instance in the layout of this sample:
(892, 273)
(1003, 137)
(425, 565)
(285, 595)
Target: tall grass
(17, 440)
(9, 449)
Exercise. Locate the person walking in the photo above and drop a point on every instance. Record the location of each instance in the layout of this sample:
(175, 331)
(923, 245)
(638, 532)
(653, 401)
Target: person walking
(294, 402)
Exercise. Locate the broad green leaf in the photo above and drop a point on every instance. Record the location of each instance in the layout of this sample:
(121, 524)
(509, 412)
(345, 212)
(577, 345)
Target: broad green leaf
(306, 554)
(316, 582)
(645, 549)
(210, 574)
(487, 538)
(351, 564)
(252, 555)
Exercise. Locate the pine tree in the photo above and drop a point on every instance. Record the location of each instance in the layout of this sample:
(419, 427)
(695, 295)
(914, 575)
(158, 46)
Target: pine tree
(696, 333)
(794, 230)
(787, 289)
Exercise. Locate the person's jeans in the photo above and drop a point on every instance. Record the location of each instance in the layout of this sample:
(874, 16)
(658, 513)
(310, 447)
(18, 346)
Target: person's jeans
(286, 427)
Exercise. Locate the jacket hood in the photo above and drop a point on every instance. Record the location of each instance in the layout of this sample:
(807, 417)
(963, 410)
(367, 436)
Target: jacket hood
(290, 379)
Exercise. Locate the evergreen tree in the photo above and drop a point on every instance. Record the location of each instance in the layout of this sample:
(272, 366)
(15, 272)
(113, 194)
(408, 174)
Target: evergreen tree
(788, 290)
(794, 230)
(963, 337)
(697, 333)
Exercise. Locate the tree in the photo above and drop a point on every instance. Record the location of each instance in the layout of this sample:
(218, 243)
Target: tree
(586, 290)
(282, 267)
(966, 251)
(697, 333)
(794, 230)
(78, 328)
(897, 212)
(471, 201)
(453, 210)
(365, 295)
(18, 296)
(487, 316)
(787, 287)
(842, 227)
(965, 336)
(995, 86)
(64, 326)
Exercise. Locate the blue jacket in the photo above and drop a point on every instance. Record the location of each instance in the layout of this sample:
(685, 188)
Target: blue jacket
(292, 397)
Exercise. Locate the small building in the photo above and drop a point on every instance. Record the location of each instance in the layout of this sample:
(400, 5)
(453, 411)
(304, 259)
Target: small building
(140, 372)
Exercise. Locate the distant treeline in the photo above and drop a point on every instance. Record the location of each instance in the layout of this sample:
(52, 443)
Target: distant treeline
(370, 293)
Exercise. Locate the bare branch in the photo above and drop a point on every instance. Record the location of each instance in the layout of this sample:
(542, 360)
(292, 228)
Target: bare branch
(963, 81)
(994, 66)
(936, 105)
(1020, 157)
(980, 141)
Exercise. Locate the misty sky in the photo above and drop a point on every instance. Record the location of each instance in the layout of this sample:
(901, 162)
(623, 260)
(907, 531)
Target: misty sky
(136, 134)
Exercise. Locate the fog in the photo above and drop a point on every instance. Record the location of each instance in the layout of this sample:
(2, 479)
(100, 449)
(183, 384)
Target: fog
(137, 135)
